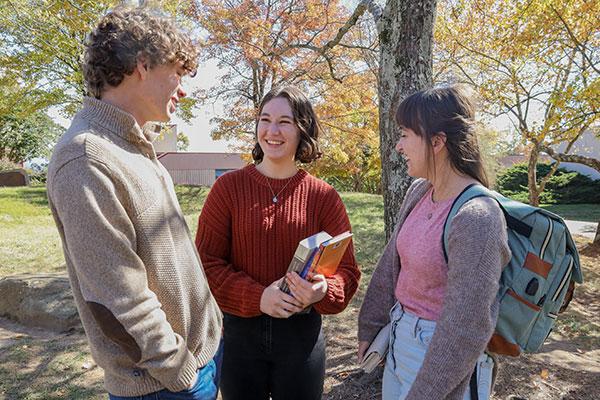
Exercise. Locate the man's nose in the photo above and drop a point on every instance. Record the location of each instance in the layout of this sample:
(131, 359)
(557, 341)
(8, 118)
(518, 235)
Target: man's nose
(180, 92)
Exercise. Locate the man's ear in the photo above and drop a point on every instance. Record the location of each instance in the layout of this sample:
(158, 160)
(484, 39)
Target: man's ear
(141, 68)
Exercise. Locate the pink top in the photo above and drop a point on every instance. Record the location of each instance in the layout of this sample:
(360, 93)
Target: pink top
(421, 285)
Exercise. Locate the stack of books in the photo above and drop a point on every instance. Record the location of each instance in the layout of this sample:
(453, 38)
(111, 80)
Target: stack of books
(319, 253)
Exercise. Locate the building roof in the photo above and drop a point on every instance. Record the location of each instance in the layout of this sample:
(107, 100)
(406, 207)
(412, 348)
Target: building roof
(196, 161)
(512, 159)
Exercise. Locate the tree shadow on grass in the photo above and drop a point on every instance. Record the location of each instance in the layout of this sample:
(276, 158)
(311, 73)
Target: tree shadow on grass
(37, 368)
(35, 195)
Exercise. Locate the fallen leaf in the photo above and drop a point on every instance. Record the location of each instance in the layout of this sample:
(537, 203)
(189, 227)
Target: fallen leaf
(544, 374)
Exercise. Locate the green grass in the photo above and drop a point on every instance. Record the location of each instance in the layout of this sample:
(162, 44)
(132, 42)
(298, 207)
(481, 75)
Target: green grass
(576, 212)
(30, 241)
(31, 244)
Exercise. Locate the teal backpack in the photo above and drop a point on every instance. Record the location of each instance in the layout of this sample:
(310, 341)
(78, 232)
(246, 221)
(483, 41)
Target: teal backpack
(538, 279)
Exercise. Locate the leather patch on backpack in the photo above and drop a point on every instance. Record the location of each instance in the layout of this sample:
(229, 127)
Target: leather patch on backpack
(534, 307)
(114, 330)
(499, 345)
(537, 265)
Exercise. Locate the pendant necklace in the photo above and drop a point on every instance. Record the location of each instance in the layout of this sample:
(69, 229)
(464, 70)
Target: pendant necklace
(434, 206)
(274, 199)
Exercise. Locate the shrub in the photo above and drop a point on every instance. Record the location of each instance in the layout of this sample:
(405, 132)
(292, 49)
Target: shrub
(6, 165)
(566, 187)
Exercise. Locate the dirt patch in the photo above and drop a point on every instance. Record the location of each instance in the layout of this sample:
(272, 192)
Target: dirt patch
(39, 364)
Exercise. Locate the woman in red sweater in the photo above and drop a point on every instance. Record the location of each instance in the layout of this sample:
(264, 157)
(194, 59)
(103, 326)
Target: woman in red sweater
(248, 232)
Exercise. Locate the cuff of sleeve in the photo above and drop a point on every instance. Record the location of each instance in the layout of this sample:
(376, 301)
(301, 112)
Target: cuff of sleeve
(333, 302)
(184, 378)
(252, 299)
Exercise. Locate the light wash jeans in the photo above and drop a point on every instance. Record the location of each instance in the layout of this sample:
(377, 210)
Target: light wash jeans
(409, 339)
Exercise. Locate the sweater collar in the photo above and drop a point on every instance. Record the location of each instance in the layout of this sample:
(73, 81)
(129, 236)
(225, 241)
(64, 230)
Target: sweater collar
(272, 182)
(118, 121)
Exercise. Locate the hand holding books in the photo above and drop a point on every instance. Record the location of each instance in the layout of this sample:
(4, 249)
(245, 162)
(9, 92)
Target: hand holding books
(308, 291)
(278, 304)
(316, 258)
(376, 351)
(318, 254)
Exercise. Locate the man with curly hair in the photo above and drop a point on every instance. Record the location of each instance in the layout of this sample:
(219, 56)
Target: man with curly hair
(140, 289)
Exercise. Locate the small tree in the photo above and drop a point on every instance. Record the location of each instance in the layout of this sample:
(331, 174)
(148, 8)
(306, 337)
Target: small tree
(23, 137)
(535, 62)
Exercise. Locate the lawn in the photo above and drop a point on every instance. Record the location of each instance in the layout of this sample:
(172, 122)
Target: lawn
(37, 365)
(576, 212)
(31, 244)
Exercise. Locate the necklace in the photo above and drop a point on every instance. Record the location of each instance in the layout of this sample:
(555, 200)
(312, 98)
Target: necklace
(274, 199)
(434, 206)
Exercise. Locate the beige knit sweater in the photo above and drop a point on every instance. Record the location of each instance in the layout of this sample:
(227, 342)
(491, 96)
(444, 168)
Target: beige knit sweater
(136, 277)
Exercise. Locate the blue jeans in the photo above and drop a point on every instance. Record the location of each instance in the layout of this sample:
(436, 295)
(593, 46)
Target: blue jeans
(409, 339)
(206, 387)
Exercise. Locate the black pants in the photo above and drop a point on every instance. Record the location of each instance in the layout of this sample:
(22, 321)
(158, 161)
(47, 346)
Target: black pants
(280, 358)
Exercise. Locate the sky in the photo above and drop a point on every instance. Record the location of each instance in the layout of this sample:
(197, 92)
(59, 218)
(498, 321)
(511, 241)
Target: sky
(198, 130)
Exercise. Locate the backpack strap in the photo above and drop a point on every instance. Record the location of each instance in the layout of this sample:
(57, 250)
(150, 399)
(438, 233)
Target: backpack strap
(476, 190)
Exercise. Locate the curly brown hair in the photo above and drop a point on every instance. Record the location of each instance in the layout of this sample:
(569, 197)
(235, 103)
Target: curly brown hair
(126, 35)
(305, 119)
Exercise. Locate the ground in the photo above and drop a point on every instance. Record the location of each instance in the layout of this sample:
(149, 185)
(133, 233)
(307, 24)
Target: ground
(38, 364)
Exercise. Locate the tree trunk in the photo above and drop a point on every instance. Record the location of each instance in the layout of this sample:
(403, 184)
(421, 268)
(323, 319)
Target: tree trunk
(597, 237)
(405, 66)
(534, 193)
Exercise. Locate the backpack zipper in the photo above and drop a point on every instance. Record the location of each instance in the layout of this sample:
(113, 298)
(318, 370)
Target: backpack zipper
(547, 239)
(564, 280)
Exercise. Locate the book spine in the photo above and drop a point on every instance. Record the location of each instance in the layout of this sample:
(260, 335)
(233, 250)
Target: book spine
(298, 265)
(314, 261)
(295, 266)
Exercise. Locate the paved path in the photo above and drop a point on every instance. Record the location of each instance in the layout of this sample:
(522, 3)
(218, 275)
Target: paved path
(587, 229)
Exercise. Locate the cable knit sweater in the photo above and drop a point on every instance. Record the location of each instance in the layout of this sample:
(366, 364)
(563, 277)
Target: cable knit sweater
(477, 251)
(137, 280)
(246, 241)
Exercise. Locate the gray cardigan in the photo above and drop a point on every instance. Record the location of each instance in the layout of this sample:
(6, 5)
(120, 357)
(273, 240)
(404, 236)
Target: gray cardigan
(477, 250)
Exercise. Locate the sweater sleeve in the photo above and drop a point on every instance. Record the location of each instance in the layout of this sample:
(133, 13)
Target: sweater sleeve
(100, 238)
(375, 310)
(380, 297)
(477, 251)
(235, 291)
(343, 284)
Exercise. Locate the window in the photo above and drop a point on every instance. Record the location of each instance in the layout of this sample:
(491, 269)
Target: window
(219, 172)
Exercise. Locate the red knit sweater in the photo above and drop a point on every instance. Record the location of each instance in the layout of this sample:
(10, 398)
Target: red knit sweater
(246, 241)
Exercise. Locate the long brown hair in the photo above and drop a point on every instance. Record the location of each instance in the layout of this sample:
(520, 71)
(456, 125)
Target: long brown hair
(305, 119)
(449, 110)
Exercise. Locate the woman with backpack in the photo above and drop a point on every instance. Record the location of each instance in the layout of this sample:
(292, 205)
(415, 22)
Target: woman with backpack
(442, 313)
(248, 232)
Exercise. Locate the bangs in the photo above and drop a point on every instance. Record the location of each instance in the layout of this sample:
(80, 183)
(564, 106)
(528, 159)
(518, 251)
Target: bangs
(408, 114)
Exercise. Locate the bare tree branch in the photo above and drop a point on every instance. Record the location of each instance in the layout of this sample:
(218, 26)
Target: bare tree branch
(589, 161)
